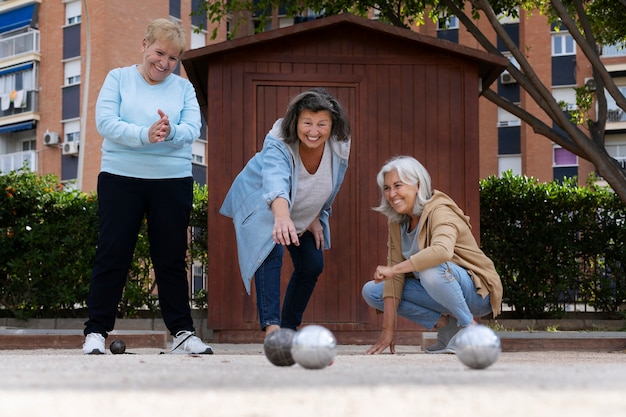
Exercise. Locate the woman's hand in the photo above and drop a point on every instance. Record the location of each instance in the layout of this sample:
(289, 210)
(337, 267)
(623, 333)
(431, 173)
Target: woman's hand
(386, 340)
(316, 229)
(383, 273)
(387, 336)
(284, 231)
(160, 130)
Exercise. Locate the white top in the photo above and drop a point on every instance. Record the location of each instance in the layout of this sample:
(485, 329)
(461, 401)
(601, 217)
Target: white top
(312, 192)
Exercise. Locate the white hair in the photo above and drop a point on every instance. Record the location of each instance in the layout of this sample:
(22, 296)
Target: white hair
(411, 172)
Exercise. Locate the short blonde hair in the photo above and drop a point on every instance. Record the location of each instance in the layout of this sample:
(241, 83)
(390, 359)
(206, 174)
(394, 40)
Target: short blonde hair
(166, 31)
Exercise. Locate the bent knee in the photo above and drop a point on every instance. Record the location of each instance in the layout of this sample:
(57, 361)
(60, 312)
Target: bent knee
(372, 292)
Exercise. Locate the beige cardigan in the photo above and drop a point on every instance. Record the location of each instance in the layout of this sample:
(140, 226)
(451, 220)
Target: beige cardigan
(445, 235)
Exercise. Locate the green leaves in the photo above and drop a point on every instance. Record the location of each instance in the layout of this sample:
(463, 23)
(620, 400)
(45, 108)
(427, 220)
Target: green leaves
(554, 244)
(48, 238)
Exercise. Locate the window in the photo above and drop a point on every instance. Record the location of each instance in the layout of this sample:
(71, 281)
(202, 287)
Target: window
(23, 80)
(198, 38)
(618, 151)
(566, 95)
(197, 152)
(175, 8)
(72, 12)
(507, 119)
(511, 163)
(198, 20)
(447, 22)
(563, 158)
(562, 44)
(615, 113)
(71, 131)
(29, 145)
(72, 72)
(506, 19)
(511, 58)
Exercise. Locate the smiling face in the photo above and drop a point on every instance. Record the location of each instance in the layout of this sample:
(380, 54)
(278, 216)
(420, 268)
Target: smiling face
(314, 128)
(159, 60)
(400, 195)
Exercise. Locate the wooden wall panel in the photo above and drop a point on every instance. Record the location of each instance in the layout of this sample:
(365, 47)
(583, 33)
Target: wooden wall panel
(401, 98)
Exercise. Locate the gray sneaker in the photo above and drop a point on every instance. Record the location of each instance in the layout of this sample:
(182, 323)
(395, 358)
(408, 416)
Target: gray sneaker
(186, 341)
(94, 344)
(444, 336)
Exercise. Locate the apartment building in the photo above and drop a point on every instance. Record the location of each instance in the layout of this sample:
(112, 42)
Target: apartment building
(54, 56)
(509, 144)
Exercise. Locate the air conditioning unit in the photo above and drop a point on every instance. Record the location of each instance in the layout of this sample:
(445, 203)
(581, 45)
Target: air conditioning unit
(50, 138)
(70, 148)
(590, 83)
(507, 78)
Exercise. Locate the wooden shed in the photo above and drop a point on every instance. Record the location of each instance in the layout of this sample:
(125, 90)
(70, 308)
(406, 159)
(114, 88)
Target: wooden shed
(405, 93)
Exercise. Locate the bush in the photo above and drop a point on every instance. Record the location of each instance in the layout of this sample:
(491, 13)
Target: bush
(47, 245)
(48, 239)
(554, 244)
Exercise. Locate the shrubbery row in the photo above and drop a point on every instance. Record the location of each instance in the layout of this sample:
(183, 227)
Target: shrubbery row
(48, 238)
(555, 245)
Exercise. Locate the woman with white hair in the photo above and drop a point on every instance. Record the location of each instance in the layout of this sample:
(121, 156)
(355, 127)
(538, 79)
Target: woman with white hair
(436, 274)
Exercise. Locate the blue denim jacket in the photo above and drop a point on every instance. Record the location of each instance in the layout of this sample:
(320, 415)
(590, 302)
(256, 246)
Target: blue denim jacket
(269, 174)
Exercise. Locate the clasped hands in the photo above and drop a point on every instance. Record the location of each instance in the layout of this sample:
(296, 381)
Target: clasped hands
(160, 130)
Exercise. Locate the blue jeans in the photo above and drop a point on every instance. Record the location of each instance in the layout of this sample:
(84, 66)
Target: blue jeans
(308, 264)
(444, 289)
(122, 204)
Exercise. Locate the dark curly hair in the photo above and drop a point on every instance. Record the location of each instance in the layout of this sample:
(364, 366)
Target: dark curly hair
(316, 99)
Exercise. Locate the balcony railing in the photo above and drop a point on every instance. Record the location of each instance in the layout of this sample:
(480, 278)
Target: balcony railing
(18, 160)
(23, 43)
(616, 115)
(32, 105)
(613, 50)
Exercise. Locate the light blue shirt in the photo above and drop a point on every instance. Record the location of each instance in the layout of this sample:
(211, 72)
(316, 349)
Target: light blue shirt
(126, 108)
(269, 174)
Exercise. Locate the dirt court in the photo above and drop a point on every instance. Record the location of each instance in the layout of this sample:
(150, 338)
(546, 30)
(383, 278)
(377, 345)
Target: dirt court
(239, 381)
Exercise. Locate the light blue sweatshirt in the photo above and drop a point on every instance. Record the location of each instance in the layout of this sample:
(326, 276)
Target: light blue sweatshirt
(272, 173)
(126, 108)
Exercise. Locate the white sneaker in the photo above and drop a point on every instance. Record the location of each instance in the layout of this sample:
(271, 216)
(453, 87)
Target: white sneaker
(186, 341)
(94, 344)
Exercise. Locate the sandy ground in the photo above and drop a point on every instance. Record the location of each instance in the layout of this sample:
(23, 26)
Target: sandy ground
(239, 381)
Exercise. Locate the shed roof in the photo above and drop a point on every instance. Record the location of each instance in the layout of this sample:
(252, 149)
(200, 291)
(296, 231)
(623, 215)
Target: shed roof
(196, 61)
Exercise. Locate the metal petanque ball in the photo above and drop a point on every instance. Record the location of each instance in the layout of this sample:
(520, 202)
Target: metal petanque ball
(277, 347)
(117, 347)
(314, 347)
(477, 347)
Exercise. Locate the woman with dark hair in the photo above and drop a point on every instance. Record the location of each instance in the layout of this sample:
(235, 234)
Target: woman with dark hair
(436, 274)
(283, 197)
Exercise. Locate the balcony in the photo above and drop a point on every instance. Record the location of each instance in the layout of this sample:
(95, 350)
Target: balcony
(615, 115)
(32, 105)
(18, 160)
(24, 43)
(609, 51)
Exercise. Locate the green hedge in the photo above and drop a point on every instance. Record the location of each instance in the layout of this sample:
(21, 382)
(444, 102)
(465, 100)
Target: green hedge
(48, 238)
(554, 244)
